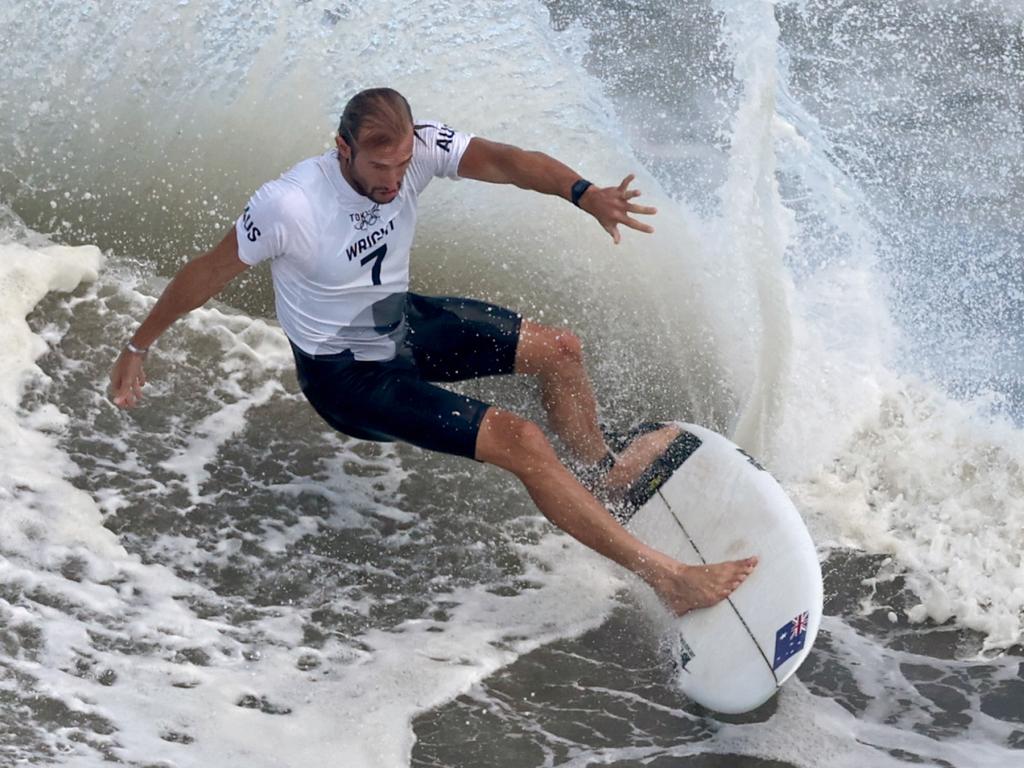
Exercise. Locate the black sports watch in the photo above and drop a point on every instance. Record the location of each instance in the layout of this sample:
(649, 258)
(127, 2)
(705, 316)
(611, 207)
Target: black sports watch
(577, 191)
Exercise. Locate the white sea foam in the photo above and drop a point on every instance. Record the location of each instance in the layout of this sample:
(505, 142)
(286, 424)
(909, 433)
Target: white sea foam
(30, 477)
(811, 730)
(71, 577)
(939, 486)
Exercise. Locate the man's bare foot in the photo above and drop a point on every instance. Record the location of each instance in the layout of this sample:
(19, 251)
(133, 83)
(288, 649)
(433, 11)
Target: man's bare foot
(637, 457)
(684, 588)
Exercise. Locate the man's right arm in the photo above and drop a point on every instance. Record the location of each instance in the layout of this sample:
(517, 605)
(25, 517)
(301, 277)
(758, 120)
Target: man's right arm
(195, 284)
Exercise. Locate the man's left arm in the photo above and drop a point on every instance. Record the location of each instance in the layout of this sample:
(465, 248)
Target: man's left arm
(497, 163)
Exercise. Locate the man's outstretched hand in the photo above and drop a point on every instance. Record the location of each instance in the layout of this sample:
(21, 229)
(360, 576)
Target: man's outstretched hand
(611, 207)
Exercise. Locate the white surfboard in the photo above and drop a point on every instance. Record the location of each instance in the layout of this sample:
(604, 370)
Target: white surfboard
(719, 504)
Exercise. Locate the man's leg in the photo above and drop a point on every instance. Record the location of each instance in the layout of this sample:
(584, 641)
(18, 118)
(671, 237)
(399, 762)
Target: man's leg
(555, 357)
(456, 339)
(520, 446)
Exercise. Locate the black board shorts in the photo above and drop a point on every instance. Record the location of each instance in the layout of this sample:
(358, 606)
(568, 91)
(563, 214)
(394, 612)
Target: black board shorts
(447, 339)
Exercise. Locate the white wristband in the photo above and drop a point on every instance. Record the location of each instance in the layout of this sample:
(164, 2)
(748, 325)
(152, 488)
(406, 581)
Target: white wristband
(136, 350)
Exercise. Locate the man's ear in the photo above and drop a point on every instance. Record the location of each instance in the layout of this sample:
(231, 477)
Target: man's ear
(344, 150)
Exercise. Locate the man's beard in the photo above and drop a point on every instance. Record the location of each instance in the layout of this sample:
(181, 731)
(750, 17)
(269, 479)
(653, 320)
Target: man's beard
(359, 187)
(379, 200)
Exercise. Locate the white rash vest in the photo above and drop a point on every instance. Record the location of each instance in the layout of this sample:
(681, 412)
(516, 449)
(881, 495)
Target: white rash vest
(339, 261)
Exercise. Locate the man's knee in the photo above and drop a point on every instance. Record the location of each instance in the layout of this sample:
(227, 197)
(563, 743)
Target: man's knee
(568, 347)
(548, 350)
(513, 442)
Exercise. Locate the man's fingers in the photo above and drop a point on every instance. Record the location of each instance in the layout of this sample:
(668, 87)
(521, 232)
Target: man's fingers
(648, 210)
(124, 399)
(611, 207)
(634, 224)
(127, 394)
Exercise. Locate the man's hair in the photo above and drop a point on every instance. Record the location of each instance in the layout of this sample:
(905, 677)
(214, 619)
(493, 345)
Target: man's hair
(376, 117)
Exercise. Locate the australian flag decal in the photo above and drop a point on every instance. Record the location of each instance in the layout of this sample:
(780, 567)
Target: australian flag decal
(789, 639)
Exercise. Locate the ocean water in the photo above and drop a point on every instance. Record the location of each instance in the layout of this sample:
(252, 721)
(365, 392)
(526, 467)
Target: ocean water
(216, 578)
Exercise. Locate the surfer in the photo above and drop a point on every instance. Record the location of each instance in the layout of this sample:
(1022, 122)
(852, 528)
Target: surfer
(337, 230)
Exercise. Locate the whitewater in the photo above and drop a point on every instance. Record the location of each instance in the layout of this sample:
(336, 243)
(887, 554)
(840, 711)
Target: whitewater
(835, 282)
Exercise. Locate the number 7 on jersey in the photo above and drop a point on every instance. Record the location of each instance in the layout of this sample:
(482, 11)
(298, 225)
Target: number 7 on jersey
(377, 257)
